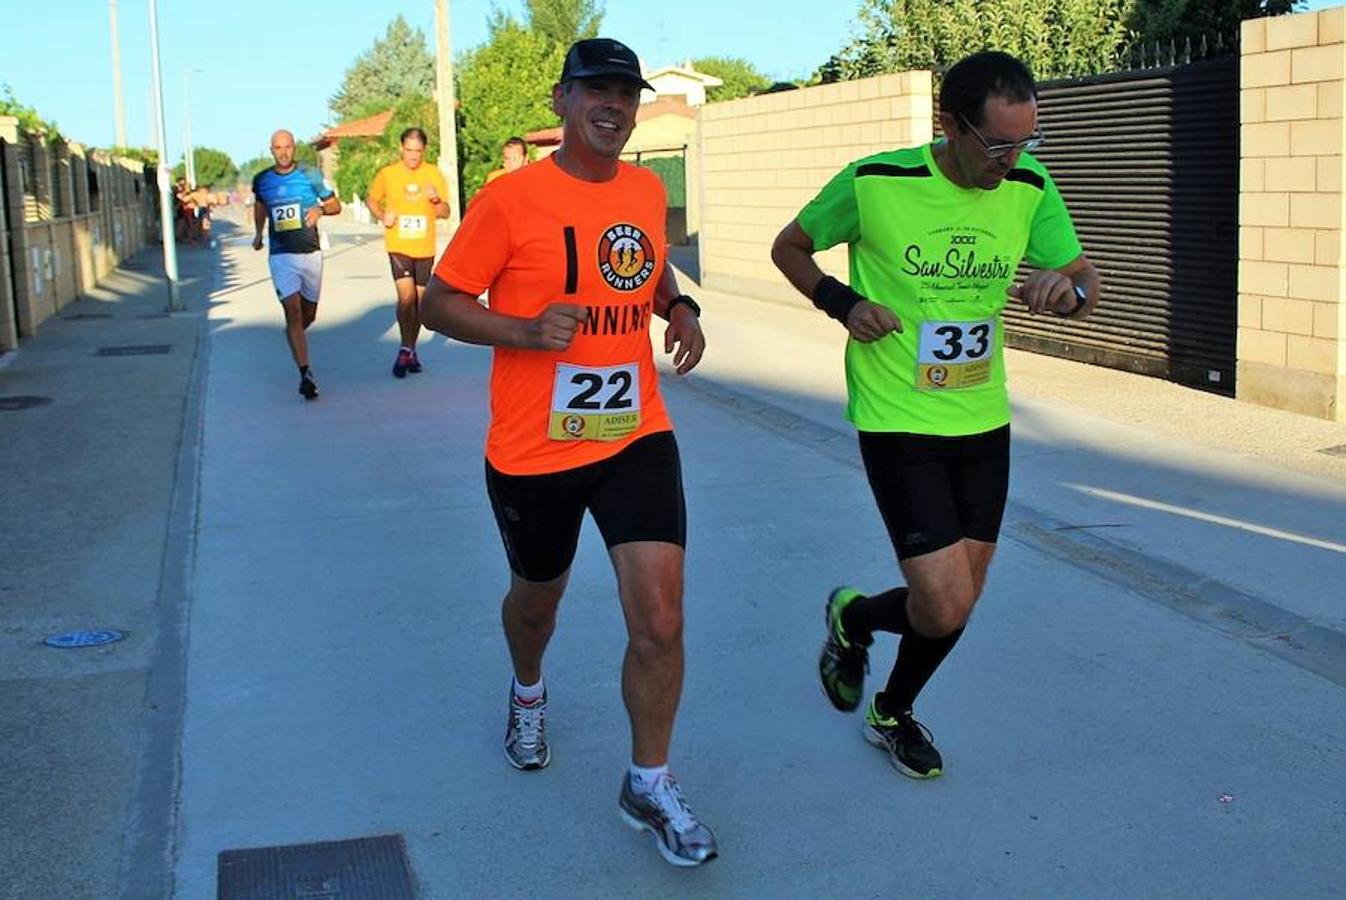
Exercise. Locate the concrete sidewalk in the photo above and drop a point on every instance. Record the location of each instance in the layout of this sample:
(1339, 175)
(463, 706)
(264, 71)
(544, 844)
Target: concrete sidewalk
(90, 479)
(1151, 699)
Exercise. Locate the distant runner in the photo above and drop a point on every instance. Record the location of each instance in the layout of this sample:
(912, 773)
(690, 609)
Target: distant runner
(289, 200)
(407, 196)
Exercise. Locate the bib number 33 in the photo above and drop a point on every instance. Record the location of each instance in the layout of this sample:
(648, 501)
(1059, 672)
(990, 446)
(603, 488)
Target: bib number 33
(955, 355)
(594, 404)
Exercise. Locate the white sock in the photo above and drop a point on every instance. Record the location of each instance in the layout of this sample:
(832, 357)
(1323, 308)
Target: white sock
(405, 349)
(528, 693)
(643, 779)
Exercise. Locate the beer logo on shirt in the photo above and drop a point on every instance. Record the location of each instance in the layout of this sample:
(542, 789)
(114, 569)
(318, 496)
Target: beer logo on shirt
(625, 257)
(413, 190)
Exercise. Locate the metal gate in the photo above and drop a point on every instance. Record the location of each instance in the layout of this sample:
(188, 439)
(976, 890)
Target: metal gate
(1147, 162)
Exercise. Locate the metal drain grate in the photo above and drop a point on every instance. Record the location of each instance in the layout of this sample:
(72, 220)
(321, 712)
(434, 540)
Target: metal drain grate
(1339, 450)
(373, 868)
(14, 404)
(135, 350)
(81, 317)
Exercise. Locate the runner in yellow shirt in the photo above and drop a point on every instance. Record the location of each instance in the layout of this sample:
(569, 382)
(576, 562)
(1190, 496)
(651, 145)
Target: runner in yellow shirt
(407, 197)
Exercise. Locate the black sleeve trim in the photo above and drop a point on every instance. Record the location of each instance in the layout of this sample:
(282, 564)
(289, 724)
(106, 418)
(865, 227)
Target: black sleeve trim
(888, 170)
(1027, 176)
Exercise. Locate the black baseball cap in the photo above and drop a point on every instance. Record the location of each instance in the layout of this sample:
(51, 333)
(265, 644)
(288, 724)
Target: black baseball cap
(602, 56)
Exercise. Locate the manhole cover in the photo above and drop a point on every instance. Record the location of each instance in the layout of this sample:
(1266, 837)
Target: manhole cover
(80, 317)
(13, 404)
(76, 639)
(135, 350)
(373, 868)
(1339, 450)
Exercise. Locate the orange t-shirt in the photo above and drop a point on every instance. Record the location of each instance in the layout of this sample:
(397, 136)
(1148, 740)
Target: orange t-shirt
(404, 192)
(540, 237)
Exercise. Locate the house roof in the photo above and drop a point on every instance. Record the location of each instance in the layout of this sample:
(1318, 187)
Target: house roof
(674, 105)
(685, 71)
(369, 126)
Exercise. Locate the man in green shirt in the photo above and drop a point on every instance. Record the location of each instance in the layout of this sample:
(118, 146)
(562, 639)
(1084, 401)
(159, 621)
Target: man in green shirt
(936, 234)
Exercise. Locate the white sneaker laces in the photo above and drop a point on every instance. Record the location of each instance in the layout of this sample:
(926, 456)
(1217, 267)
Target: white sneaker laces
(528, 723)
(668, 796)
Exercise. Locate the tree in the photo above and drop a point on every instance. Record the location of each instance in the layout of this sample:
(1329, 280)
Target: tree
(396, 67)
(741, 78)
(505, 90)
(562, 22)
(1182, 20)
(212, 166)
(1054, 37)
(29, 120)
(361, 158)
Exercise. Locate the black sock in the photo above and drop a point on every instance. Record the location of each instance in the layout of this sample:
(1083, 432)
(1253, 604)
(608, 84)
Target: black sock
(303, 370)
(881, 612)
(917, 659)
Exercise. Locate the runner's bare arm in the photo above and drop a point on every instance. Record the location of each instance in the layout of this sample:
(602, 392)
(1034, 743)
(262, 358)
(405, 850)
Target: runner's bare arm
(684, 324)
(1054, 289)
(459, 315)
(259, 220)
(792, 252)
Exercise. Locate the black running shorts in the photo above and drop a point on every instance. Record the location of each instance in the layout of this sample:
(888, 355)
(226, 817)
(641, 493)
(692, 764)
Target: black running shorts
(633, 496)
(416, 267)
(934, 491)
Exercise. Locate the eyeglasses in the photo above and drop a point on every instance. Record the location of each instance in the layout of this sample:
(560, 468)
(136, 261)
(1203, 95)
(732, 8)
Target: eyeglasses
(1000, 151)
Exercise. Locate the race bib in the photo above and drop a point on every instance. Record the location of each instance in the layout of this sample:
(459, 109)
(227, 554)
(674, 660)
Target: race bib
(594, 404)
(955, 355)
(411, 227)
(286, 217)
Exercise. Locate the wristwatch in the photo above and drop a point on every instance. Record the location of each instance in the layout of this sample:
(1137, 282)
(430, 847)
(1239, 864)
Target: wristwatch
(685, 300)
(1081, 298)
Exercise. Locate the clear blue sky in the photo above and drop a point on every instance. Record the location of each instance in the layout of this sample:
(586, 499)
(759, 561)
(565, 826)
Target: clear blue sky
(268, 64)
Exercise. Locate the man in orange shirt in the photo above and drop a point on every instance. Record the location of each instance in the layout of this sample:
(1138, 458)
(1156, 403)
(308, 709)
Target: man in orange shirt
(572, 250)
(407, 197)
(513, 156)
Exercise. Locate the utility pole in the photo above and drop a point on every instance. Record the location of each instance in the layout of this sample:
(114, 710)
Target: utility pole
(444, 94)
(117, 76)
(165, 176)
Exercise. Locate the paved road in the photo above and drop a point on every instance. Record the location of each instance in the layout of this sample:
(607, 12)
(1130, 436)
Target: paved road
(1151, 699)
(1134, 710)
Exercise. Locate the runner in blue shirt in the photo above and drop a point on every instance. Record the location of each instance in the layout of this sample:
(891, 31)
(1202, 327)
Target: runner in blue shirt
(290, 199)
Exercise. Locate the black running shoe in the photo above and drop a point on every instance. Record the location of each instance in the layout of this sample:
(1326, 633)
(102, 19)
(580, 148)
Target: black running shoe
(402, 364)
(415, 365)
(843, 663)
(308, 386)
(910, 747)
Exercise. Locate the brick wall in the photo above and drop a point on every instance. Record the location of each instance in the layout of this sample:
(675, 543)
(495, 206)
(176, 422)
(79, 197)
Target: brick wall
(1291, 352)
(59, 246)
(762, 158)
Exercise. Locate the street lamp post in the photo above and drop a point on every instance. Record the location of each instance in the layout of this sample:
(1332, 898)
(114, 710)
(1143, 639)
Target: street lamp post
(189, 159)
(165, 177)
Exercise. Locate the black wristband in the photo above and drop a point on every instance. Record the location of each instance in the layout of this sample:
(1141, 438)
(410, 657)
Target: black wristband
(835, 299)
(685, 301)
